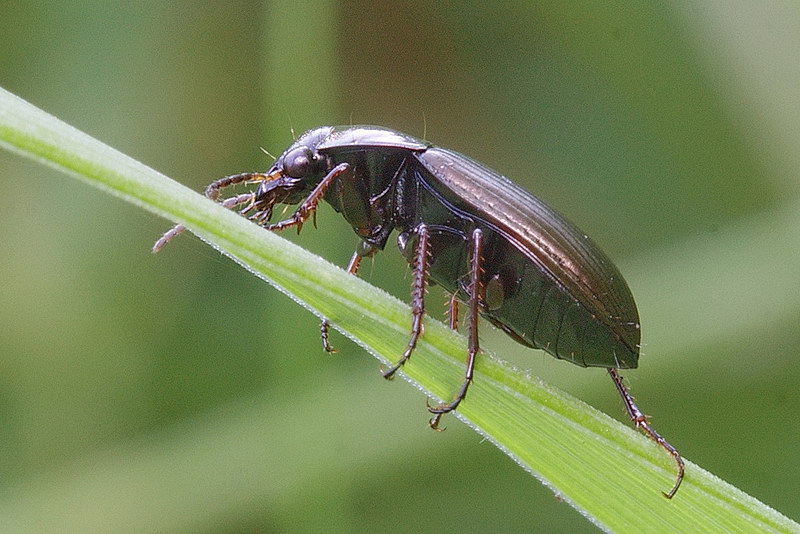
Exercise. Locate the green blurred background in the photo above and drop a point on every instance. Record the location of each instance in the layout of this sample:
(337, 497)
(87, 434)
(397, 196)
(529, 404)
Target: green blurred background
(177, 393)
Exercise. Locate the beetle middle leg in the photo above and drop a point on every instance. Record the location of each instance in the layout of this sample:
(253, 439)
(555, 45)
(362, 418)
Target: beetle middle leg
(419, 287)
(476, 296)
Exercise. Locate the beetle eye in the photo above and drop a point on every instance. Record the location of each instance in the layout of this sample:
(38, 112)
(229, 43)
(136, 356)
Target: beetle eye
(297, 162)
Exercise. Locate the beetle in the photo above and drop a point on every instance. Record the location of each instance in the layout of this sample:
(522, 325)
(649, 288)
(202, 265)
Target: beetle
(489, 243)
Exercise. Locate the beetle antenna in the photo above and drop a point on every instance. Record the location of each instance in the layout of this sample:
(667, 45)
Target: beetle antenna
(424, 127)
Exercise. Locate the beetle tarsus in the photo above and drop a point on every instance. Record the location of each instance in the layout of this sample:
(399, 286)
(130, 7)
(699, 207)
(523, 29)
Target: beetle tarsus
(441, 409)
(324, 326)
(434, 423)
(640, 421)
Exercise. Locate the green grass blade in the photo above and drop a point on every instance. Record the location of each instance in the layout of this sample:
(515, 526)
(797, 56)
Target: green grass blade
(607, 471)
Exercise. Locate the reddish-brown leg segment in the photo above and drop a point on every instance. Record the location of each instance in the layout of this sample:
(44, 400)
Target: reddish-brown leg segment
(476, 296)
(309, 206)
(453, 312)
(640, 421)
(419, 287)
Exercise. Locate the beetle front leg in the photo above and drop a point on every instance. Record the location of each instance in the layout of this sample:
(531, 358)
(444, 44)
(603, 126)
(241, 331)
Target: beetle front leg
(476, 296)
(309, 205)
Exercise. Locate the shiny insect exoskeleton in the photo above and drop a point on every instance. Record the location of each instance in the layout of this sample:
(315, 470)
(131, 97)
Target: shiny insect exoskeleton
(491, 244)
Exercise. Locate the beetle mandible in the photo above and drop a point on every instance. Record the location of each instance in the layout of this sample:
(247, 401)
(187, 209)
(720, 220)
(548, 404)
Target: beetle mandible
(486, 241)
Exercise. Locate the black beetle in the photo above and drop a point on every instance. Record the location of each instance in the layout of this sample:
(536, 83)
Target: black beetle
(488, 242)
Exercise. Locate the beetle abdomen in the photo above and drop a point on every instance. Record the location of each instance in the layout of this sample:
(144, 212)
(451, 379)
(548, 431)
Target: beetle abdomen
(549, 319)
(561, 292)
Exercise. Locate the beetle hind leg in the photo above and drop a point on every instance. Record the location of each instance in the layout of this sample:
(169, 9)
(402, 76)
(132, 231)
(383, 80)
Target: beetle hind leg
(640, 421)
(477, 292)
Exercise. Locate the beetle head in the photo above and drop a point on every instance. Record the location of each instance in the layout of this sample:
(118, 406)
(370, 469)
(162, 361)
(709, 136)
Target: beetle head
(294, 174)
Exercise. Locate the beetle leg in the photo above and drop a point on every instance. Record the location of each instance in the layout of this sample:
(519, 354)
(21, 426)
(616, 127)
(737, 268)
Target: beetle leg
(309, 205)
(452, 312)
(352, 268)
(476, 296)
(418, 289)
(640, 421)
(212, 192)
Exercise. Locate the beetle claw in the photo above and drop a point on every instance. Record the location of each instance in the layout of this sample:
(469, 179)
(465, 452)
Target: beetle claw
(434, 423)
(388, 374)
